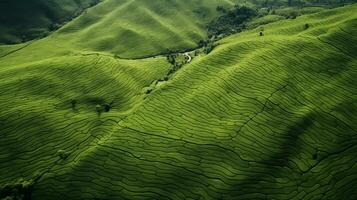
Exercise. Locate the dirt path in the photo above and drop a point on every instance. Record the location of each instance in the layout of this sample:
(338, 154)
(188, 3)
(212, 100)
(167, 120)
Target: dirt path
(188, 56)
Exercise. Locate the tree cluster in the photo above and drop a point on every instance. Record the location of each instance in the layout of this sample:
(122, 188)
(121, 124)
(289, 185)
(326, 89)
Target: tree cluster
(18, 191)
(105, 107)
(231, 21)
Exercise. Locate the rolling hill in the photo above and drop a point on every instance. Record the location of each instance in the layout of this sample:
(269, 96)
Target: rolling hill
(23, 20)
(138, 28)
(89, 112)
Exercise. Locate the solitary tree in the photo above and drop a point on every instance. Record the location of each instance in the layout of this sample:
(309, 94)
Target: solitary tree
(63, 154)
(73, 104)
(107, 107)
(98, 109)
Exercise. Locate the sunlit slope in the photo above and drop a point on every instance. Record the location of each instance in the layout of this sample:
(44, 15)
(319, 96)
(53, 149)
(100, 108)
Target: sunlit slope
(131, 29)
(40, 122)
(139, 28)
(270, 117)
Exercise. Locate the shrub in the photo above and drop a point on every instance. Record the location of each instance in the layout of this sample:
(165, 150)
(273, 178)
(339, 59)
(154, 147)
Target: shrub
(221, 9)
(17, 191)
(148, 90)
(73, 104)
(107, 107)
(63, 154)
(202, 43)
(208, 48)
(98, 109)
(171, 58)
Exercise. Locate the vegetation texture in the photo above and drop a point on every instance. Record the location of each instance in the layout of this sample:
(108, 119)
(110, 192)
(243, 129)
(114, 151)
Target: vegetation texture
(96, 111)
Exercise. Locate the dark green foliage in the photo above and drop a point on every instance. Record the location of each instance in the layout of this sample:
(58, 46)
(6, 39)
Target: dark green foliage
(207, 45)
(306, 26)
(21, 191)
(305, 2)
(208, 48)
(54, 26)
(73, 104)
(221, 9)
(171, 58)
(107, 107)
(63, 154)
(103, 107)
(148, 90)
(289, 2)
(314, 156)
(98, 109)
(293, 15)
(232, 21)
(202, 43)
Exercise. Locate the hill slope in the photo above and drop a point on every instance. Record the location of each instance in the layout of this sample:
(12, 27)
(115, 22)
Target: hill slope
(128, 29)
(137, 28)
(270, 117)
(23, 20)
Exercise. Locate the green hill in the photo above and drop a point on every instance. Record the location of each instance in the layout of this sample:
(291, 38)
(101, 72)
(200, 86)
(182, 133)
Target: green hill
(140, 28)
(129, 29)
(23, 20)
(260, 117)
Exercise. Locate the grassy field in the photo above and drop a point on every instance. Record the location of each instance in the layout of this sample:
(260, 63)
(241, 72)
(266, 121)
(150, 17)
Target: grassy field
(260, 117)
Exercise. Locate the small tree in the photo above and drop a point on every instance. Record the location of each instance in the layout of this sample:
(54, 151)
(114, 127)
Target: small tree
(261, 33)
(221, 9)
(98, 109)
(63, 154)
(107, 107)
(148, 90)
(202, 43)
(208, 48)
(73, 104)
(171, 58)
(306, 26)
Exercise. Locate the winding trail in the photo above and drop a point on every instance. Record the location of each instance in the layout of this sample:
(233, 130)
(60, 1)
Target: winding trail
(188, 56)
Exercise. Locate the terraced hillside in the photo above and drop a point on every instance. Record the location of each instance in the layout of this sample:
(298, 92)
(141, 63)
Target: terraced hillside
(260, 117)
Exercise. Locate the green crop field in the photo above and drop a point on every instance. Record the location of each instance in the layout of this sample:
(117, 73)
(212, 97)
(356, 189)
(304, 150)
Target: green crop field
(100, 108)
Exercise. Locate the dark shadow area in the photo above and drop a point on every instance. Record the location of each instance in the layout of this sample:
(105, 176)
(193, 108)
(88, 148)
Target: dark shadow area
(24, 20)
(260, 182)
(16, 192)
